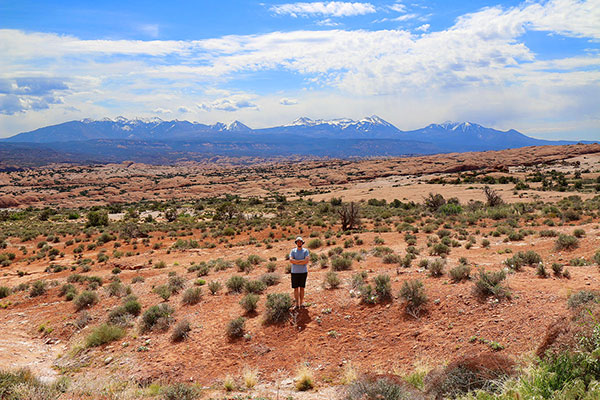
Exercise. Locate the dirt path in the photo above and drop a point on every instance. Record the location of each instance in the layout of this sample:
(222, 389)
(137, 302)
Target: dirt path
(19, 349)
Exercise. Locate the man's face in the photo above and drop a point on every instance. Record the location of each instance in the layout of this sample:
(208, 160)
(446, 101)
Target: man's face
(299, 243)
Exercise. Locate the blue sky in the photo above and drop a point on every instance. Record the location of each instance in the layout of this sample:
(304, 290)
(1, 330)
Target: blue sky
(529, 65)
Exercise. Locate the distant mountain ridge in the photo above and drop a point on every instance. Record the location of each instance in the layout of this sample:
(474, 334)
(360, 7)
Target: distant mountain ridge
(158, 140)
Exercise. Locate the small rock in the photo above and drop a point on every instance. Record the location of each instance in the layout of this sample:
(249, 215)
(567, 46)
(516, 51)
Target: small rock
(108, 360)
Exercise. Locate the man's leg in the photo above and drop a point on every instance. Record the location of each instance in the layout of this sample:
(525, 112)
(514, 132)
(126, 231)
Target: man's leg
(297, 296)
(301, 296)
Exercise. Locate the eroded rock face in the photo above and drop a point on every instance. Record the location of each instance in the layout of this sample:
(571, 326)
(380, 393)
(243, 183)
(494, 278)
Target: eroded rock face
(8, 202)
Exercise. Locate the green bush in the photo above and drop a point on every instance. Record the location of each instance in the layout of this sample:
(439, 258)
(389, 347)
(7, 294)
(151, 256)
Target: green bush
(332, 280)
(103, 334)
(38, 288)
(314, 243)
(460, 273)
(249, 302)
(436, 267)
(491, 284)
(439, 249)
(4, 291)
(341, 263)
(413, 294)
(278, 307)
(157, 318)
(383, 287)
(214, 287)
(270, 278)
(97, 218)
(236, 327)
(192, 296)
(236, 284)
(582, 297)
(566, 242)
(164, 291)
(256, 286)
(85, 299)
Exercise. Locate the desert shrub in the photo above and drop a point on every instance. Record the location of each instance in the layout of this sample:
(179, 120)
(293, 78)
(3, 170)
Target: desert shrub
(256, 286)
(521, 259)
(557, 268)
(304, 379)
(380, 251)
(278, 307)
(164, 291)
(332, 280)
(132, 306)
(341, 263)
(578, 262)
(372, 389)
(67, 288)
(469, 374)
(176, 283)
(582, 297)
(596, 257)
(116, 288)
(255, 259)
(566, 242)
(85, 299)
(460, 273)
(392, 259)
(383, 287)
(413, 294)
(38, 288)
(5, 292)
(548, 233)
(243, 265)
(314, 243)
(367, 294)
(541, 271)
(485, 243)
(97, 218)
(270, 278)
(236, 284)
(214, 287)
(179, 391)
(22, 385)
(358, 279)
(157, 318)
(236, 327)
(103, 334)
(271, 267)
(181, 331)
(491, 284)
(439, 249)
(192, 296)
(436, 267)
(249, 302)
(118, 316)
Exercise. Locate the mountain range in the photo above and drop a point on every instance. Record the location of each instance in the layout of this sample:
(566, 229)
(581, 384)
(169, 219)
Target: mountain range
(159, 141)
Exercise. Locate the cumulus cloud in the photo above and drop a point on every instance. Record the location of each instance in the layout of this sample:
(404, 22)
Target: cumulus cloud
(331, 9)
(232, 103)
(183, 109)
(19, 95)
(398, 7)
(423, 28)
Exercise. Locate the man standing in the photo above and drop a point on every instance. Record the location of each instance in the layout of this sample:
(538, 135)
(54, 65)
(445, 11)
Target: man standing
(299, 259)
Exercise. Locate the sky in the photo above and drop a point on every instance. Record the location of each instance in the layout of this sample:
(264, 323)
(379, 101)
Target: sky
(529, 65)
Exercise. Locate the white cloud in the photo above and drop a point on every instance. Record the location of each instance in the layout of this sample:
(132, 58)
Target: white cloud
(331, 8)
(183, 109)
(162, 111)
(423, 28)
(398, 7)
(404, 17)
(231, 103)
(288, 102)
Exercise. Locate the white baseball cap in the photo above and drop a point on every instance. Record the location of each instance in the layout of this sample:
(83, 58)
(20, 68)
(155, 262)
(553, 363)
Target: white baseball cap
(299, 238)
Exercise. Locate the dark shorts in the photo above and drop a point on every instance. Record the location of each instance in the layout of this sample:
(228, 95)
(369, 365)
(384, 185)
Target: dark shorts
(299, 280)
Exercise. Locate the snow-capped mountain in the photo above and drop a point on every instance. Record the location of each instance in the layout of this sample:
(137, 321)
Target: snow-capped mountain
(156, 140)
(372, 127)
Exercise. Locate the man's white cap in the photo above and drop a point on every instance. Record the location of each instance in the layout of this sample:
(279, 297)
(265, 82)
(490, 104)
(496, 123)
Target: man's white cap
(299, 238)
